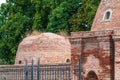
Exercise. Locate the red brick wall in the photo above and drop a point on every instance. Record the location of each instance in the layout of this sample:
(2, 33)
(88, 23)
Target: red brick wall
(99, 23)
(95, 52)
(100, 47)
(85, 34)
(76, 50)
(50, 48)
(117, 57)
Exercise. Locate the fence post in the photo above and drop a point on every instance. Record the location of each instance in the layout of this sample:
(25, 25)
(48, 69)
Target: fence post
(80, 70)
(26, 70)
(38, 70)
(32, 70)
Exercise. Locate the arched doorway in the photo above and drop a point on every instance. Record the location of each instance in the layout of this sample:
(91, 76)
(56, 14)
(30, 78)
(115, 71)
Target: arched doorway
(92, 76)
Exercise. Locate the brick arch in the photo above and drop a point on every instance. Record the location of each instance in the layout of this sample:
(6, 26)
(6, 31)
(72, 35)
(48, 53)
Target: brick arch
(92, 76)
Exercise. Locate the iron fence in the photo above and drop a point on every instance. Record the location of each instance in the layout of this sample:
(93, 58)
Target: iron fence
(12, 73)
(40, 72)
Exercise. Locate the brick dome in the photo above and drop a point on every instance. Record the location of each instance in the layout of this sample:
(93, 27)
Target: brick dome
(107, 16)
(49, 47)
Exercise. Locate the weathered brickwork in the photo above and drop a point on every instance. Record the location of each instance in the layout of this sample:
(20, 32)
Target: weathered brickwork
(99, 53)
(94, 53)
(49, 47)
(98, 49)
(99, 22)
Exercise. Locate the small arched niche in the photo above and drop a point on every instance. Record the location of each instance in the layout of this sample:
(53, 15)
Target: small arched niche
(107, 15)
(92, 76)
(20, 62)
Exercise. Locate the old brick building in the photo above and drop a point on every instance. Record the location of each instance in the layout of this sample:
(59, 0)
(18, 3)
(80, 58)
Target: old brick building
(98, 49)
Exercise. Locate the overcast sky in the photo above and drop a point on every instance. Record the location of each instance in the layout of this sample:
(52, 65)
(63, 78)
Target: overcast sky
(2, 1)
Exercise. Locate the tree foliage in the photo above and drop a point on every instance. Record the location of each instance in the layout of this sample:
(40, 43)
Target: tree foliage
(58, 19)
(18, 17)
(82, 20)
(15, 23)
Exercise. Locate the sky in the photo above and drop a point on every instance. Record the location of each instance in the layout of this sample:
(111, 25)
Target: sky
(2, 1)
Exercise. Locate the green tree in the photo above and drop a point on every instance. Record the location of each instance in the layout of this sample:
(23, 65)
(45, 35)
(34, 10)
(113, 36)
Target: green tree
(14, 25)
(17, 17)
(58, 19)
(82, 20)
(43, 8)
(11, 34)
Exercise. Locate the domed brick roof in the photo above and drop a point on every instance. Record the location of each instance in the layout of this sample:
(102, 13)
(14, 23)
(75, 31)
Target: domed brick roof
(49, 47)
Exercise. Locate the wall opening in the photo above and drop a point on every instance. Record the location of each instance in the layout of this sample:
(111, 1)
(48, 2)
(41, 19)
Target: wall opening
(92, 76)
(67, 60)
(107, 15)
(20, 62)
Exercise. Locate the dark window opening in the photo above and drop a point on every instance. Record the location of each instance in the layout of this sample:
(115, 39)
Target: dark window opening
(20, 62)
(67, 60)
(107, 15)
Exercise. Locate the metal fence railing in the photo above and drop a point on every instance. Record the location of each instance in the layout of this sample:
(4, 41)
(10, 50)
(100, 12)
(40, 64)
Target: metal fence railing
(40, 72)
(12, 73)
(47, 72)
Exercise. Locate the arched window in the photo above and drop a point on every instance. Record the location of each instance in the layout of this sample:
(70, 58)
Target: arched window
(107, 15)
